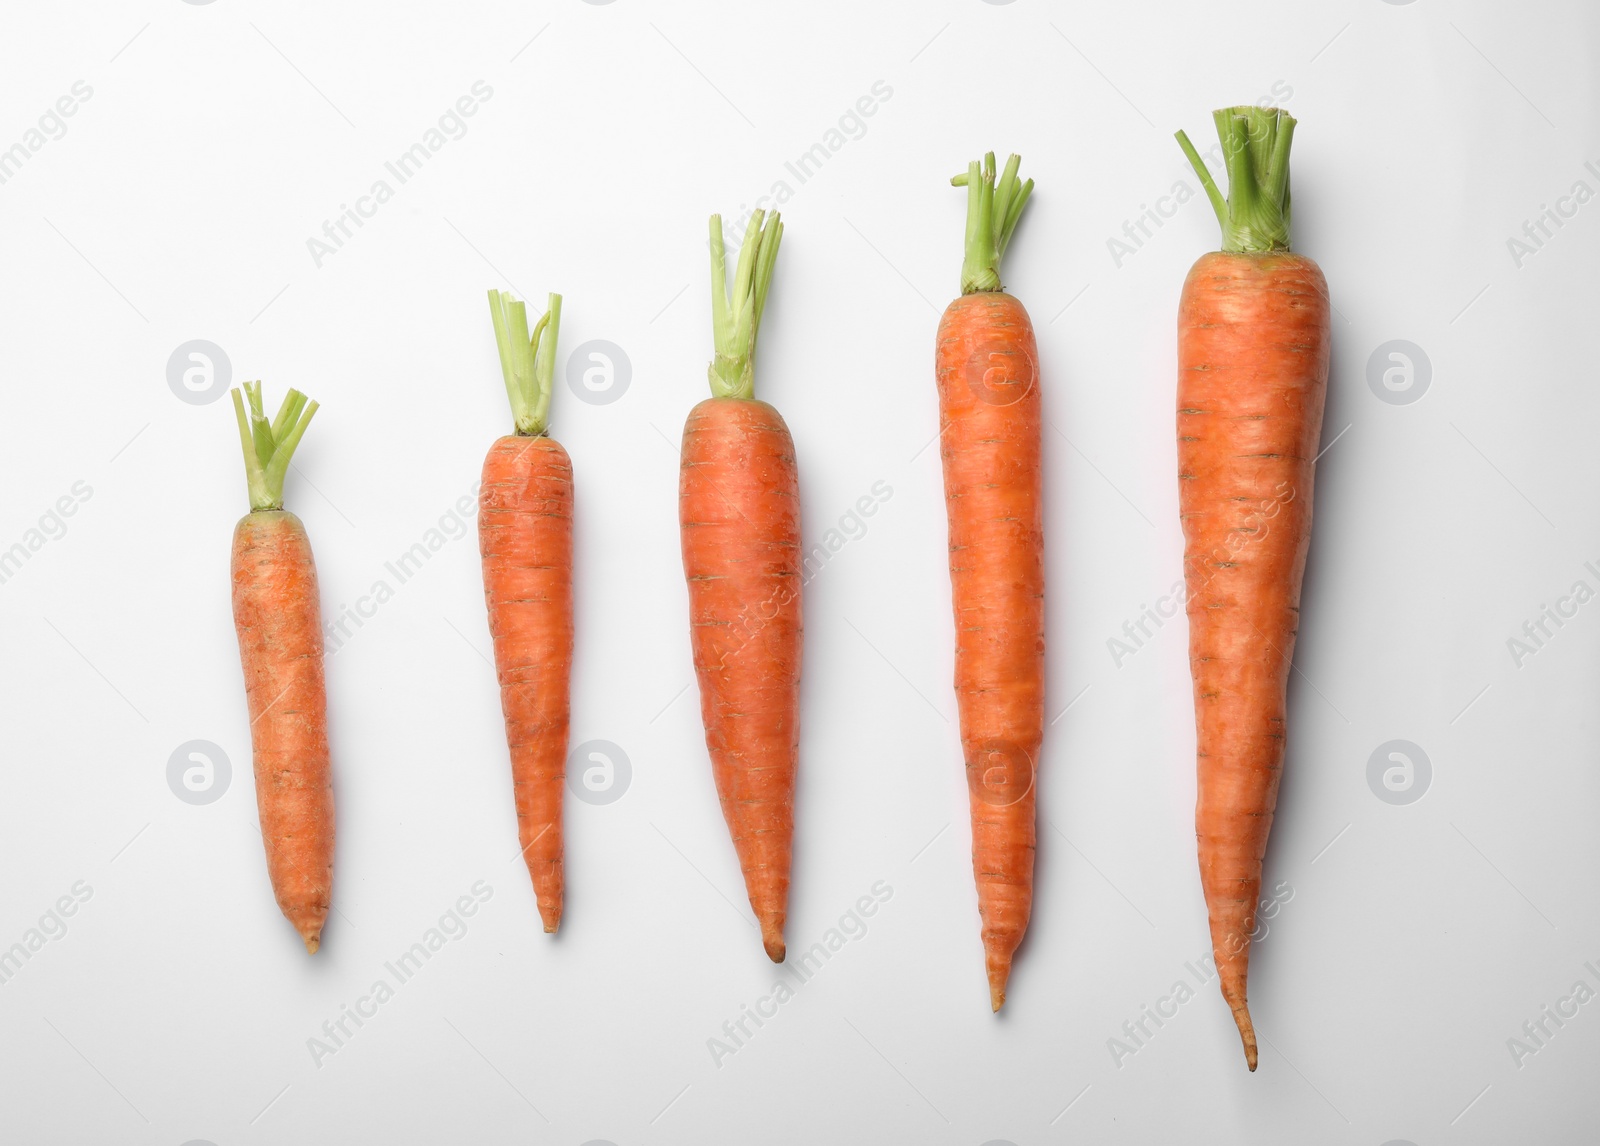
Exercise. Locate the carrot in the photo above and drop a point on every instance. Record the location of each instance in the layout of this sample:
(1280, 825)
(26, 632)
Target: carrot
(988, 376)
(1252, 372)
(525, 535)
(739, 514)
(278, 617)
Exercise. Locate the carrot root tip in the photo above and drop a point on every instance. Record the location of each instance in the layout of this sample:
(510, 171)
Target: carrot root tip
(313, 942)
(1247, 1033)
(997, 986)
(772, 940)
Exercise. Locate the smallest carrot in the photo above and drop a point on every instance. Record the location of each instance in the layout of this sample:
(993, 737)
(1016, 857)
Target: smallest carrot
(277, 614)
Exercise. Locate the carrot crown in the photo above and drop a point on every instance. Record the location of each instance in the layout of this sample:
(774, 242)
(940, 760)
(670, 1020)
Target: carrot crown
(736, 320)
(1255, 150)
(268, 446)
(527, 361)
(992, 213)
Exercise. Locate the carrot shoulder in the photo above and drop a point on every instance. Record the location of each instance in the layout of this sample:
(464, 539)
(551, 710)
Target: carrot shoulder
(987, 369)
(525, 536)
(278, 618)
(739, 516)
(1253, 345)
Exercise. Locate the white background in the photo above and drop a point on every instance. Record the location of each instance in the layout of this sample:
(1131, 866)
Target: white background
(177, 206)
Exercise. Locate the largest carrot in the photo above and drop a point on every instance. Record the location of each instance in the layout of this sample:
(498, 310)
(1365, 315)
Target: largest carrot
(1252, 373)
(278, 616)
(739, 512)
(989, 418)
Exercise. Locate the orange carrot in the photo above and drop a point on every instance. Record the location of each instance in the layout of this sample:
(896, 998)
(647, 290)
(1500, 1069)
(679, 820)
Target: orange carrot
(739, 513)
(988, 376)
(278, 617)
(525, 534)
(1252, 372)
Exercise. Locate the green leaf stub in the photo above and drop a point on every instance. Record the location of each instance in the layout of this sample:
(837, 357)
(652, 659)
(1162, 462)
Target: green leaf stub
(736, 318)
(993, 207)
(269, 446)
(526, 359)
(1255, 151)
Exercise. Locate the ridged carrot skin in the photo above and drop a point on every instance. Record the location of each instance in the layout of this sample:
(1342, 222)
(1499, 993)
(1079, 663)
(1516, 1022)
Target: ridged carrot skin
(278, 617)
(525, 536)
(739, 520)
(739, 512)
(1253, 343)
(987, 369)
(989, 404)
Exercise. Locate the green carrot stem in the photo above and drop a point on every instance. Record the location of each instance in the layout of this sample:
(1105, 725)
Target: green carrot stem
(269, 446)
(528, 361)
(993, 208)
(736, 319)
(1255, 150)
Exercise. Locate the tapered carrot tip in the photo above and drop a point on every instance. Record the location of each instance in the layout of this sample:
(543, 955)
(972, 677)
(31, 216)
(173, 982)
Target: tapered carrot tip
(772, 939)
(312, 943)
(1247, 1032)
(551, 917)
(998, 974)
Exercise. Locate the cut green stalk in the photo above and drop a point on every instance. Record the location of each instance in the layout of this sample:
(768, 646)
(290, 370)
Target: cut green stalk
(528, 361)
(992, 213)
(268, 446)
(1255, 149)
(737, 320)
